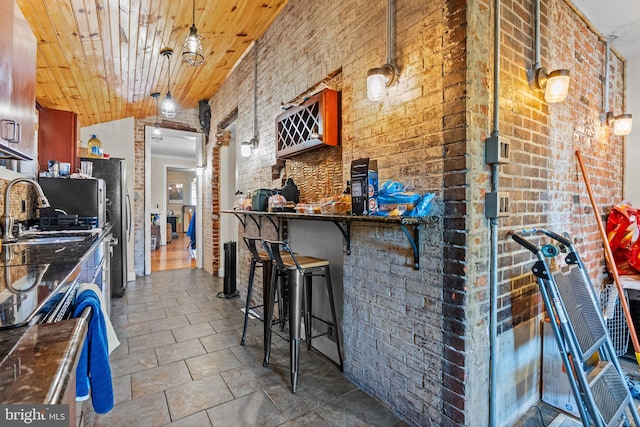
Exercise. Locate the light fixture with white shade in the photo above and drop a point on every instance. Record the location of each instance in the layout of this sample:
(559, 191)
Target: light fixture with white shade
(246, 147)
(621, 123)
(192, 48)
(555, 84)
(378, 79)
(168, 104)
(156, 134)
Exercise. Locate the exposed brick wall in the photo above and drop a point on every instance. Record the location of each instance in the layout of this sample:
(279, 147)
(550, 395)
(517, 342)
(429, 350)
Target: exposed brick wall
(418, 340)
(543, 178)
(393, 314)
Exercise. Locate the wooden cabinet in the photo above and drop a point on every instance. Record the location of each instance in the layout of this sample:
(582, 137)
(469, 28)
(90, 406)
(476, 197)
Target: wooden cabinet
(58, 133)
(18, 89)
(316, 122)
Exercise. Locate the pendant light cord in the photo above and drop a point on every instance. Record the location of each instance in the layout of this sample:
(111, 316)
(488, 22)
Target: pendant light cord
(169, 71)
(193, 16)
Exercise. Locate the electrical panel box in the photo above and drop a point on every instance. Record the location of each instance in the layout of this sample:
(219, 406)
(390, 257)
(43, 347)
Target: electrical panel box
(497, 150)
(496, 204)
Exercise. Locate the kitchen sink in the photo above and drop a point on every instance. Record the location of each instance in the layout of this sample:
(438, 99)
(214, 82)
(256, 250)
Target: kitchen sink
(50, 237)
(43, 240)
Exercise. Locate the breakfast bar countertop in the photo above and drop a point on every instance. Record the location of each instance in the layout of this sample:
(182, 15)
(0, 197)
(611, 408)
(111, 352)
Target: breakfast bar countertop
(410, 226)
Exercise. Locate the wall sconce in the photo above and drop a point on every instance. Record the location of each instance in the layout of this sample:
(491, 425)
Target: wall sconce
(556, 83)
(246, 147)
(378, 79)
(621, 123)
(156, 134)
(192, 48)
(168, 105)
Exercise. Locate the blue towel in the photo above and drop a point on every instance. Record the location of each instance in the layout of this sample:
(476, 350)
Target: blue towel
(94, 372)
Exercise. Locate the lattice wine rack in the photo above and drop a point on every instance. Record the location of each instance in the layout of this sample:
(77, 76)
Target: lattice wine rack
(313, 123)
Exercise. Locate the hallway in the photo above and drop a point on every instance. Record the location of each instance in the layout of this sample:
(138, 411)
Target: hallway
(172, 256)
(180, 364)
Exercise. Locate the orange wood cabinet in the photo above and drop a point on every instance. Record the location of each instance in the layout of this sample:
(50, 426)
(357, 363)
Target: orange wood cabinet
(316, 122)
(58, 133)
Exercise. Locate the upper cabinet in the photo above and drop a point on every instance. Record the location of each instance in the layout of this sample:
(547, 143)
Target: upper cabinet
(18, 89)
(316, 122)
(58, 134)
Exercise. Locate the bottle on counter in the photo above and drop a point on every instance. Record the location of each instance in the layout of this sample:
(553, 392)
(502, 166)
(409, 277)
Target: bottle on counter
(94, 147)
(346, 196)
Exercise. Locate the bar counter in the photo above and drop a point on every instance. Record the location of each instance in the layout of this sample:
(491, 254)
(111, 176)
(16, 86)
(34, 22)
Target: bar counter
(343, 222)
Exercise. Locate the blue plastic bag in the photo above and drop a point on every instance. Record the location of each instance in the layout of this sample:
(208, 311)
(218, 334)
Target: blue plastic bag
(425, 207)
(390, 187)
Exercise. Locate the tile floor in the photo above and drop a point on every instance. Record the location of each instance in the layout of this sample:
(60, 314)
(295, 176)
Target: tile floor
(180, 364)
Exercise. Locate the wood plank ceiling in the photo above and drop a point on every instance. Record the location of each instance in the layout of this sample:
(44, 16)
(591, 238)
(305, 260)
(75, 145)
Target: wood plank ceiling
(101, 58)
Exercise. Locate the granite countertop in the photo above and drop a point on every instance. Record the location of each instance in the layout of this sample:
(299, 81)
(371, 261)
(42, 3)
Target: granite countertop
(32, 274)
(38, 360)
(42, 363)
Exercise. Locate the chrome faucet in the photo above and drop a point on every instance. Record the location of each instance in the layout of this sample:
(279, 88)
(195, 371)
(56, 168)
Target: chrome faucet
(7, 220)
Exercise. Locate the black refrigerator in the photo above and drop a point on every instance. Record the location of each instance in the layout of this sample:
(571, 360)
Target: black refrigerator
(118, 213)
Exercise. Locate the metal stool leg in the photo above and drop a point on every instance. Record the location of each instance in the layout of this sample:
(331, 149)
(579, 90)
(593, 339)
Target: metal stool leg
(268, 317)
(252, 271)
(295, 284)
(327, 273)
(307, 294)
(282, 315)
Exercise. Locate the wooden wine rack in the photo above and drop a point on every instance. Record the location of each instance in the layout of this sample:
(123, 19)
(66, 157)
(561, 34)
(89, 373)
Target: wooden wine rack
(314, 123)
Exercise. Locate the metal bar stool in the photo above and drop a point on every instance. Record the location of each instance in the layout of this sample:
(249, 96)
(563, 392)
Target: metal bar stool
(300, 271)
(259, 259)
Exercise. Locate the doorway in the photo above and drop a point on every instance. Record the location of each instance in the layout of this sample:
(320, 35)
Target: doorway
(173, 193)
(228, 186)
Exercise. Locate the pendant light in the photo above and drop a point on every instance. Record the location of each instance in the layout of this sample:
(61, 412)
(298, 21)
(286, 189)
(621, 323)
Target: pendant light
(192, 48)
(168, 105)
(156, 134)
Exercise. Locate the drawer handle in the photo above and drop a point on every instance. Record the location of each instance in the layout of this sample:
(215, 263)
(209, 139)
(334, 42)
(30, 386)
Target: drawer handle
(10, 131)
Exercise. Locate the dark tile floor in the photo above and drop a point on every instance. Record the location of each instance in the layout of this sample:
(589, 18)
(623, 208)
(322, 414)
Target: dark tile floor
(180, 364)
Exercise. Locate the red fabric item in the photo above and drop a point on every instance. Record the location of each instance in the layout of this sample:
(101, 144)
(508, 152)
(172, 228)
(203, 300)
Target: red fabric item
(622, 233)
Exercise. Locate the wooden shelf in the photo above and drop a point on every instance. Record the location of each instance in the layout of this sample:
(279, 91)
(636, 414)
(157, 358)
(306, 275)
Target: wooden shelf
(343, 222)
(312, 124)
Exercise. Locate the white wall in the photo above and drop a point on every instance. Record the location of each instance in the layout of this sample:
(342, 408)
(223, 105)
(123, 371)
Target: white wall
(632, 141)
(117, 139)
(228, 187)
(158, 168)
